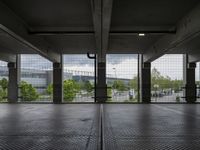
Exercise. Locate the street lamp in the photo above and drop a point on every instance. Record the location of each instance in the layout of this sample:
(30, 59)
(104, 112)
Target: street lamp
(115, 73)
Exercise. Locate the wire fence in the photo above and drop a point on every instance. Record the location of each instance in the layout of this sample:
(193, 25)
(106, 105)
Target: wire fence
(78, 78)
(197, 80)
(3, 81)
(122, 77)
(35, 78)
(167, 79)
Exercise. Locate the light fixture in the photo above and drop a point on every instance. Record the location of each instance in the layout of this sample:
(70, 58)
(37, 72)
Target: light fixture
(141, 34)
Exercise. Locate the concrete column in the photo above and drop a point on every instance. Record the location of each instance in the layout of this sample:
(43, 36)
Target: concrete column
(57, 82)
(189, 80)
(13, 80)
(144, 80)
(101, 91)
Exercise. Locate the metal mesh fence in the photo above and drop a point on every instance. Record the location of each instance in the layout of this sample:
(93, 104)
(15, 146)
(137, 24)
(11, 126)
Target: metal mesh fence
(197, 79)
(3, 81)
(78, 76)
(167, 79)
(36, 78)
(122, 77)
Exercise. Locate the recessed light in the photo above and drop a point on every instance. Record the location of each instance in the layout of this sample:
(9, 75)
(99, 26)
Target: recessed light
(141, 34)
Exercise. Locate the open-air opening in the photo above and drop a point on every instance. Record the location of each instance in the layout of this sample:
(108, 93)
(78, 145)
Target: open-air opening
(122, 77)
(167, 79)
(3, 81)
(35, 79)
(197, 80)
(78, 78)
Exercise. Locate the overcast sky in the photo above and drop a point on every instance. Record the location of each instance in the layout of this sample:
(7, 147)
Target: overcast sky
(118, 65)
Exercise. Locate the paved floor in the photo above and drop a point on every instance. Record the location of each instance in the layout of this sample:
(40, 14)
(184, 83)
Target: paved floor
(87, 126)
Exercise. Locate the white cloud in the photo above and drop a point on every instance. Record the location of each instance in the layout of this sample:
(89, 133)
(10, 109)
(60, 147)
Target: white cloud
(126, 64)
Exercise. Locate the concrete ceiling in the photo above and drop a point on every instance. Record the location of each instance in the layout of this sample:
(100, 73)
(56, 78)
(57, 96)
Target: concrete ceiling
(50, 27)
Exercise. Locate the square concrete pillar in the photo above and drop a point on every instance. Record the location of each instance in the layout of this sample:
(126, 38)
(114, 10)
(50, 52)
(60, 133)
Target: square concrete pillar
(144, 80)
(57, 82)
(189, 80)
(101, 91)
(13, 80)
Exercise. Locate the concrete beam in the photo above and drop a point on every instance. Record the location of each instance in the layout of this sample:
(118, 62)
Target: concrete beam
(193, 58)
(107, 12)
(7, 57)
(97, 22)
(186, 29)
(101, 10)
(15, 27)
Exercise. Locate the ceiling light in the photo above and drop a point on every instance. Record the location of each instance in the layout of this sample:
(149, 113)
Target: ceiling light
(141, 34)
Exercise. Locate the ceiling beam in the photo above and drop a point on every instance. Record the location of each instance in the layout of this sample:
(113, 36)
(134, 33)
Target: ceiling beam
(187, 28)
(7, 57)
(101, 10)
(97, 22)
(18, 29)
(107, 12)
(46, 30)
(193, 58)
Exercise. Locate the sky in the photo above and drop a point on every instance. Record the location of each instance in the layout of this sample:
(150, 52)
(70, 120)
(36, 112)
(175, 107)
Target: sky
(118, 65)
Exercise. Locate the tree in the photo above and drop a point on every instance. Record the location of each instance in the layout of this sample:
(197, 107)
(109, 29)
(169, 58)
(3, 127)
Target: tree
(4, 83)
(133, 83)
(119, 85)
(3, 88)
(49, 89)
(164, 82)
(3, 94)
(177, 84)
(28, 92)
(158, 79)
(70, 89)
(87, 86)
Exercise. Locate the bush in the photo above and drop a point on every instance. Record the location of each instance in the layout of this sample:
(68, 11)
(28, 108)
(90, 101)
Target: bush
(49, 90)
(28, 92)
(70, 89)
(3, 94)
(3, 89)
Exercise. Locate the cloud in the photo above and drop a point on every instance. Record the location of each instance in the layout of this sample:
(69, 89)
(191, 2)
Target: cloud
(119, 58)
(35, 62)
(39, 62)
(168, 65)
(82, 60)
